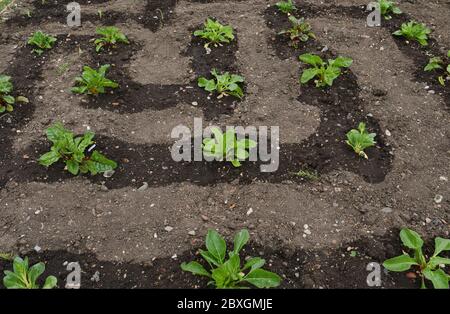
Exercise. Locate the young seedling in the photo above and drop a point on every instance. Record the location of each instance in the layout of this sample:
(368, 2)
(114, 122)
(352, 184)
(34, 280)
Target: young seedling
(111, 36)
(215, 33)
(387, 8)
(74, 152)
(437, 63)
(307, 174)
(325, 73)
(224, 84)
(25, 277)
(360, 139)
(226, 146)
(287, 7)
(228, 273)
(6, 100)
(414, 31)
(42, 41)
(430, 269)
(299, 32)
(93, 82)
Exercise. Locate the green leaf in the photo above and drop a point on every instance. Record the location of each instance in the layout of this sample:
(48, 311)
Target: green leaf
(342, 62)
(437, 260)
(73, 167)
(35, 271)
(211, 259)
(263, 279)
(438, 277)
(311, 59)
(254, 263)
(441, 244)
(22, 99)
(399, 263)
(9, 99)
(308, 74)
(411, 239)
(216, 245)
(195, 268)
(240, 239)
(50, 282)
(49, 158)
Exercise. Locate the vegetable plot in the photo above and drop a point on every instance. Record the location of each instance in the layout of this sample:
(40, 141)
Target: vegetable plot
(89, 117)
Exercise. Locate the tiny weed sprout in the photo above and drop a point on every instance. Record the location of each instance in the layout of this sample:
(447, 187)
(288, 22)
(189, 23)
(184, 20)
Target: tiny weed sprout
(25, 277)
(228, 273)
(287, 7)
(307, 174)
(42, 41)
(111, 36)
(430, 269)
(215, 33)
(326, 73)
(387, 8)
(93, 82)
(6, 100)
(436, 63)
(299, 32)
(360, 139)
(224, 84)
(414, 31)
(226, 146)
(72, 150)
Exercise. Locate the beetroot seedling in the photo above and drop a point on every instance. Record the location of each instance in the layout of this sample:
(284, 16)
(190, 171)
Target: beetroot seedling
(93, 82)
(287, 7)
(226, 146)
(73, 151)
(360, 139)
(325, 73)
(224, 84)
(228, 272)
(215, 33)
(431, 269)
(299, 32)
(41, 41)
(6, 100)
(414, 31)
(111, 36)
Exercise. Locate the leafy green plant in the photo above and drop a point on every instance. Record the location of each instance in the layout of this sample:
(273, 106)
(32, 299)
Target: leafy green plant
(287, 7)
(215, 33)
(111, 35)
(414, 31)
(430, 269)
(326, 73)
(42, 41)
(224, 84)
(25, 277)
(72, 150)
(93, 82)
(6, 100)
(360, 139)
(299, 32)
(387, 8)
(436, 63)
(226, 146)
(228, 273)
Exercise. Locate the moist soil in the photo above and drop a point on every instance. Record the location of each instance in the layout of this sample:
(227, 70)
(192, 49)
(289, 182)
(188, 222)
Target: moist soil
(316, 233)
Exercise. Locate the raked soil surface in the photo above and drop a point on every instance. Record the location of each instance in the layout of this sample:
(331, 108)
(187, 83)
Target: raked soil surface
(315, 233)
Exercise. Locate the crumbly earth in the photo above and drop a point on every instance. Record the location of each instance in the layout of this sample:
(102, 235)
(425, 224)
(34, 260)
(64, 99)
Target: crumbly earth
(121, 229)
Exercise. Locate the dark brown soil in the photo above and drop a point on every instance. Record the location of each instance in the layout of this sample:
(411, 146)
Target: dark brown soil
(391, 177)
(298, 268)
